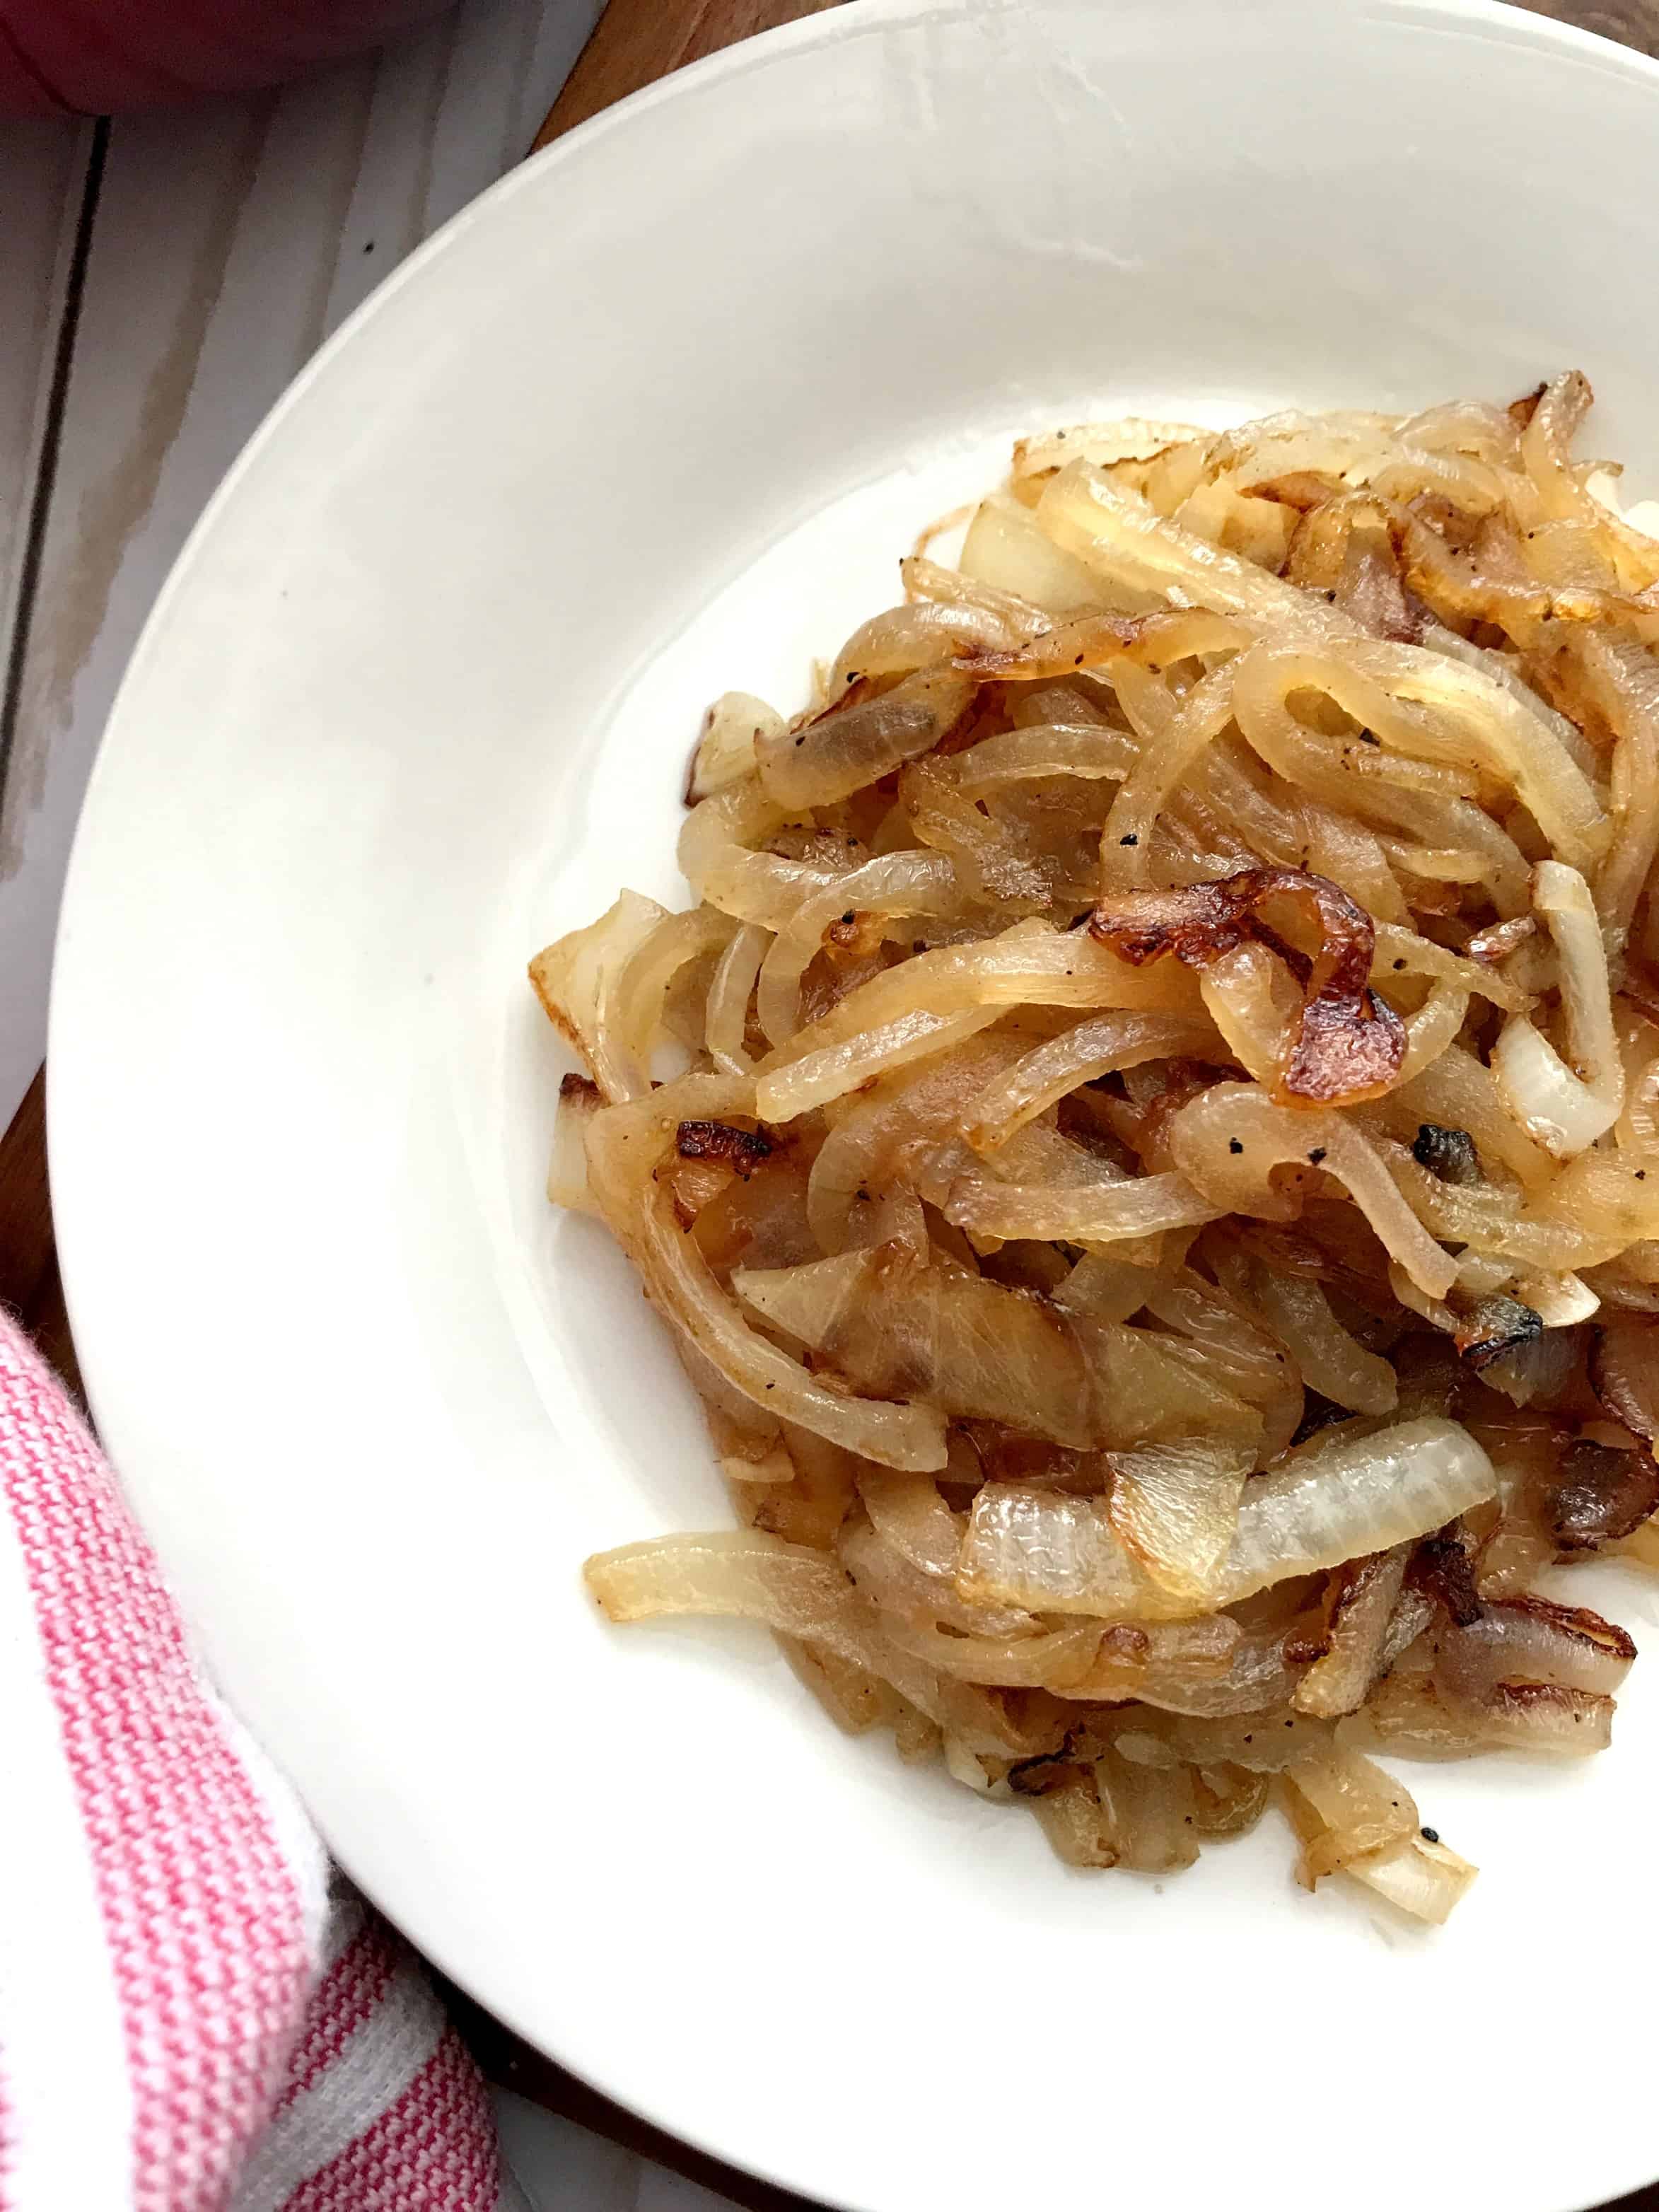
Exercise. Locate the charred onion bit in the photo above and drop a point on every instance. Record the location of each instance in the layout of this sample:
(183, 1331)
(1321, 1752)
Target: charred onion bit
(1350, 1042)
(1494, 1326)
(1448, 1154)
(744, 1149)
(1050, 1770)
(1602, 1495)
(1623, 1372)
(1443, 1569)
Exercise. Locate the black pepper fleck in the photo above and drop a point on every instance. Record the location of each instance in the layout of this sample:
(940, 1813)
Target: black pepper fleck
(1132, 839)
(1316, 1156)
(1430, 1835)
(849, 917)
(1233, 1145)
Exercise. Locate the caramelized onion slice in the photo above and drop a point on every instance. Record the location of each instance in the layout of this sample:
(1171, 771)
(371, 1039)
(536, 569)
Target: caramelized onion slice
(1361, 1608)
(1328, 1503)
(576, 977)
(1105, 1213)
(938, 1334)
(1531, 1640)
(1175, 1508)
(1565, 1108)
(1229, 1141)
(625, 1144)
(1350, 1043)
(1345, 1809)
(860, 740)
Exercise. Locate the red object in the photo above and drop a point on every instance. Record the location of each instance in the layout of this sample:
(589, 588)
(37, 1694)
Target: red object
(93, 57)
(186, 2009)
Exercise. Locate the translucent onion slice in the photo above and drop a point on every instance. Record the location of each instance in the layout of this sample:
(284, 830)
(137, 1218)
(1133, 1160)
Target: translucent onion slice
(1531, 1640)
(1561, 1107)
(800, 1592)
(1131, 438)
(1423, 1879)
(731, 729)
(643, 982)
(1022, 755)
(575, 978)
(817, 1077)
(1126, 843)
(1458, 1091)
(1545, 454)
(1415, 1716)
(1103, 1045)
(1175, 1508)
(718, 857)
(725, 1017)
(976, 1350)
(739, 1571)
(1252, 999)
(1005, 549)
(1108, 1212)
(1623, 679)
(949, 587)
(567, 1170)
(1054, 1553)
(891, 883)
(905, 1009)
(902, 1591)
(919, 635)
(1229, 1141)
(858, 742)
(869, 1141)
(1331, 1360)
(1345, 1809)
(624, 1146)
(1359, 1615)
(908, 1511)
(1121, 538)
(1339, 1806)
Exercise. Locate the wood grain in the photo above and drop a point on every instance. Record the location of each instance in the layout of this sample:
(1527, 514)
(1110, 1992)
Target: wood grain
(1627, 22)
(638, 41)
(29, 1281)
(42, 173)
(230, 239)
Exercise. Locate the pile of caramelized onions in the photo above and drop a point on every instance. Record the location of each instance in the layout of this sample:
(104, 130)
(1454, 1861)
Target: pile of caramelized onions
(1148, 1141)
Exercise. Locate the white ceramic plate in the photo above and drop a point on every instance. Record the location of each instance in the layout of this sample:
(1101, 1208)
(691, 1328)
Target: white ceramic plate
(652, 419)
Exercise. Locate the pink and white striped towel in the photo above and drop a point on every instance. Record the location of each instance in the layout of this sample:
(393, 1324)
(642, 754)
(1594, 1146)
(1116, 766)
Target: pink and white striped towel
(192, 2019)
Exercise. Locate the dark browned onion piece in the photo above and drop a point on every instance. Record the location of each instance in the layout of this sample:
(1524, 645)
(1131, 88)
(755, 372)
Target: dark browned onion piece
(1444, 1568)
(743, 1149)
(1494, 1326)
(1602, 1494)
(1350, 1043)
(1624, 1371)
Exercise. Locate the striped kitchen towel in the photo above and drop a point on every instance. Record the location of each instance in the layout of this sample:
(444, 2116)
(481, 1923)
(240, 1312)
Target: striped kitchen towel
(193, 2017)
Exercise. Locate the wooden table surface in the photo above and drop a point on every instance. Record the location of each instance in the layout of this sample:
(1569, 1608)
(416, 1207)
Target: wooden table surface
(634, 43)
